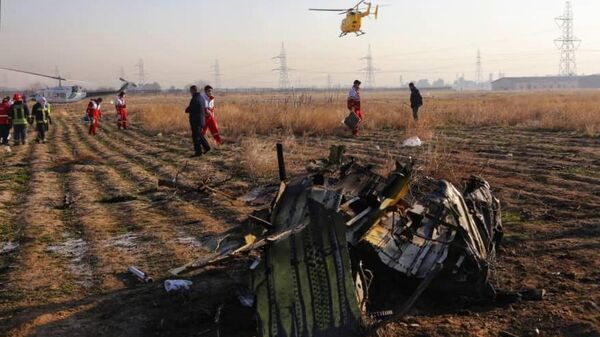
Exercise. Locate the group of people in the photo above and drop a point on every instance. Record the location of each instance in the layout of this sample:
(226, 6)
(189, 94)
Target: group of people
(201, 114)
(94, 113)
(354, 107)
(15, 115)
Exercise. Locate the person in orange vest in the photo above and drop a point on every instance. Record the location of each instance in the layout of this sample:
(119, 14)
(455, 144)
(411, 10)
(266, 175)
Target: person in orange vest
(122, 114)
(19, 117)
(354, 104)
(211, 120)
(4, 120)
(94, 114)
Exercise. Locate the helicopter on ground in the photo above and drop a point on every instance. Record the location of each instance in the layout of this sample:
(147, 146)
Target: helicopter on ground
(70, 93)
(353, 21)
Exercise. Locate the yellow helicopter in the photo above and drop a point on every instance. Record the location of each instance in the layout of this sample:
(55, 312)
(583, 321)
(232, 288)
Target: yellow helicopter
(353, 21)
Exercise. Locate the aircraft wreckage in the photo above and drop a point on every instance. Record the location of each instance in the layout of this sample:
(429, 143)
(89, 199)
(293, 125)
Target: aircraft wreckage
(342, 250)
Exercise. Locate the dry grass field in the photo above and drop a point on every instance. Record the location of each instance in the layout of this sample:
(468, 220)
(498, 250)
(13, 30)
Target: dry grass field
(79, 210)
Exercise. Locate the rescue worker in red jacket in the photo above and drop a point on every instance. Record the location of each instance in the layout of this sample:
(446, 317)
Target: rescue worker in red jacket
(122, 114)
(19, 117)
(94, 113)
(354, 104)
(211, 120)
(4, 120)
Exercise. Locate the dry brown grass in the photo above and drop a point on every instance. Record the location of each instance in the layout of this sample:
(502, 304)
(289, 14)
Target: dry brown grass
(321, 113)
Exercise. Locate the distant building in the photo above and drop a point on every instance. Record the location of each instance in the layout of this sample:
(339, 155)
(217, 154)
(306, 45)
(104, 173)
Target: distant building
(546, 83)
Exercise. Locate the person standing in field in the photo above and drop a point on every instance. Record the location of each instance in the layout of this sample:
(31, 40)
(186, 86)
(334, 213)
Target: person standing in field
(196, 111)
(122, 114)
(19, 117)
(4, 120)
(41, 115)
(94, 114)
(353, 104)
(211, 120)
(416, 100)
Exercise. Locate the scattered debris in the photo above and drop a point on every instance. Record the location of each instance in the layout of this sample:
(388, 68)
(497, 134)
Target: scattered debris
(342, 244)
(140, 275)
(7, 247)
(260, 195)
(176, 285)
(412, 142)
(7, 149)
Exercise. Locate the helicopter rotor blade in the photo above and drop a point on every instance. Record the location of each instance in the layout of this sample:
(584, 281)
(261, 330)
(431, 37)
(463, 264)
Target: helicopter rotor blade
(358, 4)
(327, 10)
(35, 74)
(58, 78)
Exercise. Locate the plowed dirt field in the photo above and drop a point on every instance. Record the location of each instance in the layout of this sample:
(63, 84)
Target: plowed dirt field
(76, 212)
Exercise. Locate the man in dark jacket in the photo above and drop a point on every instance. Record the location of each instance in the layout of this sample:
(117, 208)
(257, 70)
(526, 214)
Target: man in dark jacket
(416, 100)
(197, 114)
(41, 116)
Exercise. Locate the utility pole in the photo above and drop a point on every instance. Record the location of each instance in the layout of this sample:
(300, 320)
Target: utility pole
(369, 69)
(284, 77)
(478, 71)
(567, 43)
(217, 73)
(329, 83)
(141, 72)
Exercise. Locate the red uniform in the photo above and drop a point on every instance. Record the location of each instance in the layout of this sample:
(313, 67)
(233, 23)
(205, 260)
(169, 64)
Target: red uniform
(122, 114)
(354, 105)
(4, 122)
(94, 114)
(211, 120)
(4, 108)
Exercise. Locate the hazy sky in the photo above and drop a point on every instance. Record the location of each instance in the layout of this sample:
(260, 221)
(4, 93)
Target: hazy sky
(179, 40)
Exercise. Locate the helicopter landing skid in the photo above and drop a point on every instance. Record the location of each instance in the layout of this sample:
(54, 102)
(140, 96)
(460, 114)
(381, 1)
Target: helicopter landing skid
(359, 33)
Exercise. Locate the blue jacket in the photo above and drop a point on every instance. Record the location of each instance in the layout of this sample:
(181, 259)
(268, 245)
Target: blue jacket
(197, 109)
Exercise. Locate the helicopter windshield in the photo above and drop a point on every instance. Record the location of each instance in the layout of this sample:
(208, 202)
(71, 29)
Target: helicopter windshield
(76, 88)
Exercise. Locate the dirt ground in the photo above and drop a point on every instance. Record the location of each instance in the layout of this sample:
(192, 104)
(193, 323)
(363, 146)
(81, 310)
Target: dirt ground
(76, 212)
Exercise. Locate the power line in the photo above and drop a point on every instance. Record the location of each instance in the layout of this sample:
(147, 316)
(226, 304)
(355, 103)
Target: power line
(567, 43)
(284, 78)
(217, 73)
(369, 69)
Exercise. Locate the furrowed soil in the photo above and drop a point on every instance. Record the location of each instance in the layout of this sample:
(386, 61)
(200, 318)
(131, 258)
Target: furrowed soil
(76, 212)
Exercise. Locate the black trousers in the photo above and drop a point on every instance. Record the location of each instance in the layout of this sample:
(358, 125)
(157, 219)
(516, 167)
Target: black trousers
(20, 134)
(199, 141)
(415, 110)
(41, 131)
(4, 132)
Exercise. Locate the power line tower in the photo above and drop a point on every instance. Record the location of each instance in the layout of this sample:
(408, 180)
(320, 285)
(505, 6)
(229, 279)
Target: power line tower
(329, 83)
(567, 43)
(369, 69)
(141, 72)
(479, 70)
(217, 73)
(284, 77)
